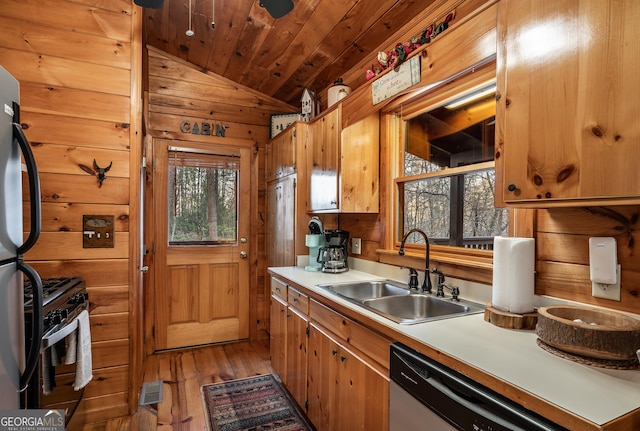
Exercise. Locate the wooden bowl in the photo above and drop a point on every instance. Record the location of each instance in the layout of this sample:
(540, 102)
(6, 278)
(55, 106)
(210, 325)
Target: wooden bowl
(589, 332)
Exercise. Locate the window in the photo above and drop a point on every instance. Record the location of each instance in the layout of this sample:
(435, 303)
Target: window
(446, 186)
(202, 198)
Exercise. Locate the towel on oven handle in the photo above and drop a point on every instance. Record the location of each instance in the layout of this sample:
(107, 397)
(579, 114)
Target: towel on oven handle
(79, 351)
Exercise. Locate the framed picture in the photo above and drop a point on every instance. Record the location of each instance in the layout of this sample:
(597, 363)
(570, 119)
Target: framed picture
(279, 122)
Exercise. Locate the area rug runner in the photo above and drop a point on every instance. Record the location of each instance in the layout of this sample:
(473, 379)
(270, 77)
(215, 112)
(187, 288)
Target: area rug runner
(256, 403)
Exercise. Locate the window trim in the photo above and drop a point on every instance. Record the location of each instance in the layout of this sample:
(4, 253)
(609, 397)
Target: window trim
(457, 262)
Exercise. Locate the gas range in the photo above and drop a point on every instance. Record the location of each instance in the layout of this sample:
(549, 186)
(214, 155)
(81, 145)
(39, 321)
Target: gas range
(63, 298)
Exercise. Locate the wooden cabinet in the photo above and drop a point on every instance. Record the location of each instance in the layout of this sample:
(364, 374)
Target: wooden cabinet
(345, 392)
(323, 158)
(281, 203)
(335, 369)
(286, 195)
(567, 108)
(282, 153)
(343, 164)
(288, 335)
(297, 327)
(277, 335)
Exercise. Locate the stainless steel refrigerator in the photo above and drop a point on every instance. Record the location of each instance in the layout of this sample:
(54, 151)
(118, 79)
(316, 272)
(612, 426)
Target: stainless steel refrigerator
(19, 347)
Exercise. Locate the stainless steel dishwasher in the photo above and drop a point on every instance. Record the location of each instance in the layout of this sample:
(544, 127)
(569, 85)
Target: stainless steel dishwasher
(426, 395)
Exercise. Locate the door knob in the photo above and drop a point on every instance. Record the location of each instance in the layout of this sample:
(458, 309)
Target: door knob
(243, 240)
(243, 254)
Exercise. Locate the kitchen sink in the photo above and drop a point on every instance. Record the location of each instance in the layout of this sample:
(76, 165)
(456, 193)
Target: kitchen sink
(397, 302)
(361, 291)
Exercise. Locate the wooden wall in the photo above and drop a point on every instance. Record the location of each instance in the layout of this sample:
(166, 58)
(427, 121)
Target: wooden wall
(176, 91)
(76, 62)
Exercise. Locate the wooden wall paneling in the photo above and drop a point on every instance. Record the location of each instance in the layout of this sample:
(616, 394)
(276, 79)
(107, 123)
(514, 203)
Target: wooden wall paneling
(109, 381)
(68, 245)
(50, 99)
(170, 124)
(109, 326)
(76, 16)
(110, 353)
(112, 272)
(62, 159)
(68, 73)
(83, 189)
(67, 217)
(109, 299)
(74, 61)
(562, 252)
(77, 132)
(26, 35)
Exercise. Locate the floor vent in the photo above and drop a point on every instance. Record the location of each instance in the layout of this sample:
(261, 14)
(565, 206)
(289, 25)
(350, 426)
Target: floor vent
(151, 393)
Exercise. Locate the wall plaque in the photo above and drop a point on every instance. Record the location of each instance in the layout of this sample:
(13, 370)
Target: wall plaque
(393, 82)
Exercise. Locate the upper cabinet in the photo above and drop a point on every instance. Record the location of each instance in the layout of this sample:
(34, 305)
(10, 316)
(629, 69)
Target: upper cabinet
(568, 107)
(343, 164)
(281, 153)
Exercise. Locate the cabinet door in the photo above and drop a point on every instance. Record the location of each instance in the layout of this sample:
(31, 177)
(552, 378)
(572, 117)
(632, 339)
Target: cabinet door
(322, 380)
(568, 89)
(323, 160)
(281, 222)
(296, 368)
(345, 393)
(363, 395)
(277, 335)
(281, 154)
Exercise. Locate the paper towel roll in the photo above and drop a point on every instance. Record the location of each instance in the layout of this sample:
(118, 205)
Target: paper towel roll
(513, 274)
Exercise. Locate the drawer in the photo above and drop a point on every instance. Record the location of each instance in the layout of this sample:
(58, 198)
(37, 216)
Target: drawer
(278, 289)
(352, 333)
(298, 300)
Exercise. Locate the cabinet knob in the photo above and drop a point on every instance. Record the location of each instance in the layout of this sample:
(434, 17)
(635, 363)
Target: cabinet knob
(334, 352)
(343, 358)
(511, 187)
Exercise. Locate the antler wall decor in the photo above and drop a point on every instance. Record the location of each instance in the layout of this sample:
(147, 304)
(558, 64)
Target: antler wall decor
(101, 173)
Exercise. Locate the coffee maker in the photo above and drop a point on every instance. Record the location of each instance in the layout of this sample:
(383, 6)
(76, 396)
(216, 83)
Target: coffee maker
(333, 256)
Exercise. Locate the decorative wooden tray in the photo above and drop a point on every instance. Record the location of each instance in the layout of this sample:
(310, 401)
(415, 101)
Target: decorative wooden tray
(589, 332)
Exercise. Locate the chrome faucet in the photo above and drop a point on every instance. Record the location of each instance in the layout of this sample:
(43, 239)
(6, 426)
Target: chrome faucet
(426, 283)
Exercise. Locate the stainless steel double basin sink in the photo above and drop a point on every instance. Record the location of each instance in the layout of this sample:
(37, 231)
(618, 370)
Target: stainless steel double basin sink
(396, 302)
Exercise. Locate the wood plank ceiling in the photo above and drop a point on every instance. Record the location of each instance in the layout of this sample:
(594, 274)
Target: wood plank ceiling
(309, 47)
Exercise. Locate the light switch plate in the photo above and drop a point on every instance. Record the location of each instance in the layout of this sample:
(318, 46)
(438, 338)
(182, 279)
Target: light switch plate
(607, 291)
(356, 245)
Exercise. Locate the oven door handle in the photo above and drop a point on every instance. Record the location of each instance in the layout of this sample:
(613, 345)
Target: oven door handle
(37, 327)
(60, 334)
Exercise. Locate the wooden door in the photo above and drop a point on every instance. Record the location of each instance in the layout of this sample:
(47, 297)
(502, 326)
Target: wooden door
(201, 201)
(296, 369)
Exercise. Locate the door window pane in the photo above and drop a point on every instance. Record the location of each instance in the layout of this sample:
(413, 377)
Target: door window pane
(203, 192)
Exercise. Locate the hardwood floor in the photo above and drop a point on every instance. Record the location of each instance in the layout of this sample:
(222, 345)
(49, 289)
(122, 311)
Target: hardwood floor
(184, 372)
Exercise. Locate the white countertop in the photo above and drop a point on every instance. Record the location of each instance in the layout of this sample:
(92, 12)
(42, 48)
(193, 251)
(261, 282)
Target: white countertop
(596, 394)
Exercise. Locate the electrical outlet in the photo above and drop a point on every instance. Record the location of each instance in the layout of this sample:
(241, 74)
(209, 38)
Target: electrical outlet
(356, 245)
(607, 291)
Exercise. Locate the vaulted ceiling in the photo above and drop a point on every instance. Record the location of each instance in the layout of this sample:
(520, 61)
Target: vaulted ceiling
(310, 47)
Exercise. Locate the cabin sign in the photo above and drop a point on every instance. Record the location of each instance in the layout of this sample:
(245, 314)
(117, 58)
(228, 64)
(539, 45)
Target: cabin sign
(203, 128)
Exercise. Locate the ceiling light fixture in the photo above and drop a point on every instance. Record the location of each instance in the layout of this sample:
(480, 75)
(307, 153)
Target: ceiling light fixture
(190, 31)
(472, 97)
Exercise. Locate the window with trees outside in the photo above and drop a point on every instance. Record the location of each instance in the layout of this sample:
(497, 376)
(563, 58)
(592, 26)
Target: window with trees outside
(447, 186)
(202, 201)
